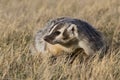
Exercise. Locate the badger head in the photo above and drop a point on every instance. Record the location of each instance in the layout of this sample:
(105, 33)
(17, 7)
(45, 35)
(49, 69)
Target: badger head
(62, 33)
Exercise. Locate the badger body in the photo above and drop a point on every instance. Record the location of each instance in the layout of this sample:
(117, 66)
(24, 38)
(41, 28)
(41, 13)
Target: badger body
(66, 35)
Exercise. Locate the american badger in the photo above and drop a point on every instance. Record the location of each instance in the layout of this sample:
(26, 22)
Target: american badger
(66, 35)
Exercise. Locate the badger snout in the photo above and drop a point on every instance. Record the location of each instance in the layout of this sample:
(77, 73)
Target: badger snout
(48, 39)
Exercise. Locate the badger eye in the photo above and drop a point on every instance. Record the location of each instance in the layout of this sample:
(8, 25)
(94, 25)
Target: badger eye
(56, 32)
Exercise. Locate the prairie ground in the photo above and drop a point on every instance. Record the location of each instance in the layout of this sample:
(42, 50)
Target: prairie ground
(20, 19)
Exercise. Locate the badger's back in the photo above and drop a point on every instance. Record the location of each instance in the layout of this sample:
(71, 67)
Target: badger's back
(93, 36)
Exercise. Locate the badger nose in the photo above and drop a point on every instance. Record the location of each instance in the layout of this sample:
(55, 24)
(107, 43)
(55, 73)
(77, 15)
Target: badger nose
(46, 38)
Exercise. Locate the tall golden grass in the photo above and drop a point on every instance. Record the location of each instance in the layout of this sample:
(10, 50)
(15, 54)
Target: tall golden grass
(20, 19)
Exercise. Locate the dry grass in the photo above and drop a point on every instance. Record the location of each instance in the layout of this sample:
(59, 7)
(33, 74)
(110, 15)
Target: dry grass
(19, 19)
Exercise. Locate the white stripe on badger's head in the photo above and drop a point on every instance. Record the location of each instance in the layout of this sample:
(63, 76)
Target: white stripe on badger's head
(53, 28)
(63, 33)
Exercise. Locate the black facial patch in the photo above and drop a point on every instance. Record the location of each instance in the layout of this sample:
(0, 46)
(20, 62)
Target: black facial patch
(51, 37)
(65, 35)
(56, 33)
(70, 43)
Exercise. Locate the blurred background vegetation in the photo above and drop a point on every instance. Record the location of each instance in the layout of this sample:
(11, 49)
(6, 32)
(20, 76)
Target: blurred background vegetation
(20, 19)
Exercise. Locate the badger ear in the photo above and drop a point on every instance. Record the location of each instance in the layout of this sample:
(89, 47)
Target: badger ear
(72, 28)
(73, 31)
